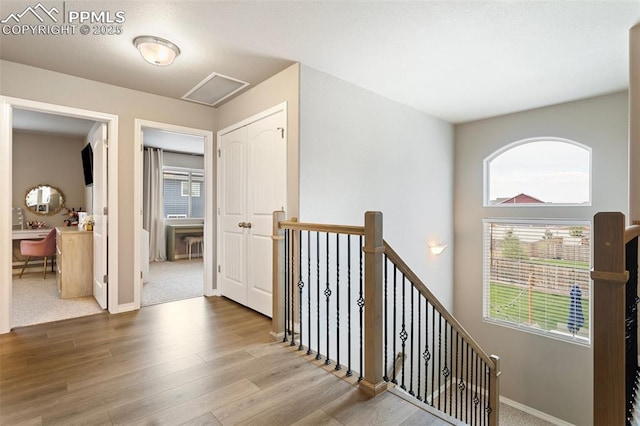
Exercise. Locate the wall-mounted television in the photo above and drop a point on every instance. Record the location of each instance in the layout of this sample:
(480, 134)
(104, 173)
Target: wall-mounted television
(87, 164)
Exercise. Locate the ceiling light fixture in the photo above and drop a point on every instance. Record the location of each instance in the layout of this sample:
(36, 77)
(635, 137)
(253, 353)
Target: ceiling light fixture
(156, 50)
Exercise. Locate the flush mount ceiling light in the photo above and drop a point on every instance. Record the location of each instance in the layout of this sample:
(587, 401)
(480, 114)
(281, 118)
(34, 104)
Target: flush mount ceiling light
(156, 50)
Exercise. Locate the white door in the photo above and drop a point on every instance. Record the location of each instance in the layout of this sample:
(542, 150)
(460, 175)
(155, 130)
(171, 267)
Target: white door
(252, 186)
(266, 192)
(99, 143)
(232, 163)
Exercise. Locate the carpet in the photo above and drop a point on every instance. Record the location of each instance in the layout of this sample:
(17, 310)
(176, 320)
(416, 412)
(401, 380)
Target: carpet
(170, 281)
(36, 300)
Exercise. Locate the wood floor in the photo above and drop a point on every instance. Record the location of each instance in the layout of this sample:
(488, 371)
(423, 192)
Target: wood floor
(198, 361)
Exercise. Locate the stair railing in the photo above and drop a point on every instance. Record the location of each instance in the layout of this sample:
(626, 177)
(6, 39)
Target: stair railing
(615, 318)
(344, 295)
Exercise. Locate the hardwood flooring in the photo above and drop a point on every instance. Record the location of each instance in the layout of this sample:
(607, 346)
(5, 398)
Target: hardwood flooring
(203, 361)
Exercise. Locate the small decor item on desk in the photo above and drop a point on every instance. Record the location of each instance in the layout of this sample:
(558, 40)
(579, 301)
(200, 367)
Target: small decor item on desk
(73, 216)
(36, 224)
(87, 223)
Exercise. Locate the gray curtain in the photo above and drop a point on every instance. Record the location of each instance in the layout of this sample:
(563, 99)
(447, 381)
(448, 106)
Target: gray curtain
(152, 208)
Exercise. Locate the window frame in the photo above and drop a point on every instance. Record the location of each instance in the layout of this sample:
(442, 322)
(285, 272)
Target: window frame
(486, 277)
(190, 172)
(486, 174)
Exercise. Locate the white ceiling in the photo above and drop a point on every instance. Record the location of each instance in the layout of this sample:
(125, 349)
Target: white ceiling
(456, 60)
(33, 121)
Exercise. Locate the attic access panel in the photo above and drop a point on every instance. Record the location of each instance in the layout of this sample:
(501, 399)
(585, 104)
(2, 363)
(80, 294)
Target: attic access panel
(214, 89)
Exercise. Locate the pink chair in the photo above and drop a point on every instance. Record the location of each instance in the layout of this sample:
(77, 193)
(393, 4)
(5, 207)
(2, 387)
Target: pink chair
(42, 248)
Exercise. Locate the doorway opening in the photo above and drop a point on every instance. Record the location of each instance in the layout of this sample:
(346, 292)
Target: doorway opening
(48, 194)
(173, 180)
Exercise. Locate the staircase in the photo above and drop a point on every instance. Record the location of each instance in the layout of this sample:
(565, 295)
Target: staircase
(343, 297)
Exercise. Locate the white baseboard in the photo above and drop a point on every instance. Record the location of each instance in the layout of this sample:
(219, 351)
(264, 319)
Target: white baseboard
(125, 307)
(534, 412)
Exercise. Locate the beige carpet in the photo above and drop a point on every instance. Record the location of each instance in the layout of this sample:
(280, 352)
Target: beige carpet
(170, 281)
(36, 300)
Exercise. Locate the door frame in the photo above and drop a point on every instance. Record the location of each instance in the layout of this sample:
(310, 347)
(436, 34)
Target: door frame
(209, 284)
(257, 117)
(7, 104)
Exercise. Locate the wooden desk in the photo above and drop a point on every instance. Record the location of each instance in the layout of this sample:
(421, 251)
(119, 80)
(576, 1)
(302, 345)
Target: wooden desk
(74, 249)
(172, 230)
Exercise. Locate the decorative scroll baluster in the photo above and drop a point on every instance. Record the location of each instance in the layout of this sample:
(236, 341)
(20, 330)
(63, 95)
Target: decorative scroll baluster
(469, 387)
(476, 400)
(461, 385)
(327, 294)
(403, 334)
(349, 372)
(318, 356)
(426, 355)
(445, 370)
(433, 348)
(450, 370)
(309, 351)
(300, 287)
(361, 306)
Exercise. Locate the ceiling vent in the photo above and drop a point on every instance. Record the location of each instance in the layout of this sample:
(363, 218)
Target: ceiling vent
(214, 89)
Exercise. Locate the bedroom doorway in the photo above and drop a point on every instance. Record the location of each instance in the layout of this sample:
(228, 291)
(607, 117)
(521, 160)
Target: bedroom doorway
(12, 109)
(173, 183)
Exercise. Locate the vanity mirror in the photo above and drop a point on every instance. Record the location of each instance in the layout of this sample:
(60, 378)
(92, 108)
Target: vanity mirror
(44, 200)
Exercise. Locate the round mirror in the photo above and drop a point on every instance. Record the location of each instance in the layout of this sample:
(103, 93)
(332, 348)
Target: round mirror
(44, 199)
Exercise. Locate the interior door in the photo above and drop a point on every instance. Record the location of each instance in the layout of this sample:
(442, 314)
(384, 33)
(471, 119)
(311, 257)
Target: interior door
(266, 192)
(99, 142)
(232, 163)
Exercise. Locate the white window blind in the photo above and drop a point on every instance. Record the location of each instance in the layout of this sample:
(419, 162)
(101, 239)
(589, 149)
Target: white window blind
(183, 193)
(536, 276)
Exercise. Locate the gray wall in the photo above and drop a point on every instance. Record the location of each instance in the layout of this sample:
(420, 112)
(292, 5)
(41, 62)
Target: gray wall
(41, 158)
(360, 151)
(37, 84)
(548, 375)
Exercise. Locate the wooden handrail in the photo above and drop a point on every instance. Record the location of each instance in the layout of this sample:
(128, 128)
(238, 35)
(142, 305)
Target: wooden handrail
(318, 227)
(631, 232)
(419, 285)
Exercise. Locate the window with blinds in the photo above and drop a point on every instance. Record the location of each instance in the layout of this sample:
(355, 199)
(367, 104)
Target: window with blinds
(536, 276)
(183, 193)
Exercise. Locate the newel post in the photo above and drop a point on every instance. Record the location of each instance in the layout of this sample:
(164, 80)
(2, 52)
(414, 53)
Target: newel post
(609, 277)
(373, 383)
(494, 392)
(277, 313)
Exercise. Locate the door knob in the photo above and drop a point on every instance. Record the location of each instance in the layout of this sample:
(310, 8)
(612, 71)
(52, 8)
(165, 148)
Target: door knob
(242, 225)
(247, 225)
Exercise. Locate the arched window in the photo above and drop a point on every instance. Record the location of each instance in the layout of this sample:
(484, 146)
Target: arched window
(540, 171)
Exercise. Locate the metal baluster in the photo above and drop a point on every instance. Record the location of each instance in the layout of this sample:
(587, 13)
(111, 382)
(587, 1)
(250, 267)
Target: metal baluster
(411, 344)
(439, 356)
(403, 333)
(318, 356)
(433, 347)
(361, 305)
(426, 355)
(349, 372)
(338, 366)
(476, 400)
(466, 395)
(419, 342)
(286, 285)
(309, 351)
(395, 303)
(327, 293)
(300, 287)
(484, 393)
(445, 371)
(489, 408)
(292, 293)
(450, 368)
(386, 321)
(458, 369)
